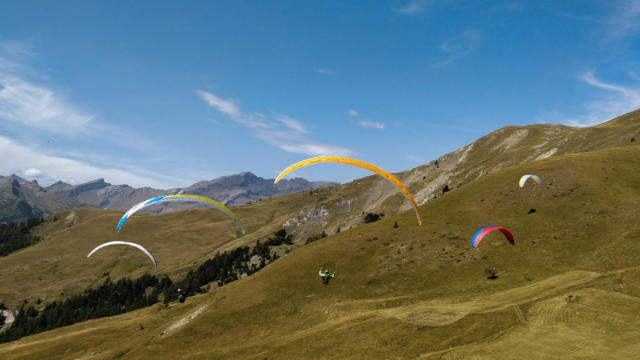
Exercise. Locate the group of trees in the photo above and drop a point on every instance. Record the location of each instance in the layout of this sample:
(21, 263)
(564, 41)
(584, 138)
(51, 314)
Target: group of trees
(126, 295)
(230, 265)
(223, 268)
(372, 217)
(16, 235)
(279, 237)
(106, 300)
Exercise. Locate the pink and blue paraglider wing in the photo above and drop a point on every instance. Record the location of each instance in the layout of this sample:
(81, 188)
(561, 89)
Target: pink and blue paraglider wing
(482, 232)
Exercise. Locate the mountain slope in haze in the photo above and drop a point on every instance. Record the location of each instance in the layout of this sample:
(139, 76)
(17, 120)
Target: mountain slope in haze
(246, 187)
(21, 199)
(106, 196)
(229, 190)
(568, 289)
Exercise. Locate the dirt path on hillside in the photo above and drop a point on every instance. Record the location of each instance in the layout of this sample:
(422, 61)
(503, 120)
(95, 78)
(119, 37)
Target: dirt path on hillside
(443, 311)
(184, 320)
(446, 311)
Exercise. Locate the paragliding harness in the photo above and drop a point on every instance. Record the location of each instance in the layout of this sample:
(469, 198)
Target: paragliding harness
(324, 273)
(181, 295)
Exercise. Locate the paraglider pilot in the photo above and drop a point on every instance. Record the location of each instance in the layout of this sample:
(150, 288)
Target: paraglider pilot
(324, 273)
(181, 295)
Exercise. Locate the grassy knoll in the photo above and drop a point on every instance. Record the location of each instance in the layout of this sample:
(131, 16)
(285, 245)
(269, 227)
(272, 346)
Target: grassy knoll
(569, 288)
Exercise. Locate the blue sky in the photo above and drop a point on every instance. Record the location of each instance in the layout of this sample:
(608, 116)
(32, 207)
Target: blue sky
(164, 94)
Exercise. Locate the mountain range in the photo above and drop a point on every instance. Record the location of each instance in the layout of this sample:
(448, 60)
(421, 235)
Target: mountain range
(21, 199)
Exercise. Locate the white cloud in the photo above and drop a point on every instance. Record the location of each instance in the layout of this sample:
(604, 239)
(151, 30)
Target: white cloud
(27, 104)
(634, 75)
(283, 132)
(316, 149)
(412, 8)
(369, 124)
(353, 113)
(457, 48)
(326, 71)
(16, 156)
(39, 107)
(32, 172)
(224, 106)
(292, 124)
(590, 78)
(618, 100)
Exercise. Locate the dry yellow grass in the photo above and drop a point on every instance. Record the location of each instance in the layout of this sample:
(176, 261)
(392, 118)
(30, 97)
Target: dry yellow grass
(407, 293)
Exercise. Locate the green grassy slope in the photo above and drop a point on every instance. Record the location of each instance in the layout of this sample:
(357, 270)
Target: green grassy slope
(417, 292)
(180, 240)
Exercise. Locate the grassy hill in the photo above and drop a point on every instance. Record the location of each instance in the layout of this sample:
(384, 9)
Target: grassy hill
(569, 288)
(421, 292)
(179, 241)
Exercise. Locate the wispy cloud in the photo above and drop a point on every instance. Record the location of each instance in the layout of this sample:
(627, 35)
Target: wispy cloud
(17, 49)
(366, 123)
(326, 71)
(590, 78)
(225, 106)
(29, 104)
(457, 48)
(634, 75)
(292, 124)
(26, 103)
(412, 7)
(620, 20)
(370, 124)
(12, 56)
(617, 100)
(315, 149)
(23, 159)
(39, 107)
(623, 21)
(283, 131)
